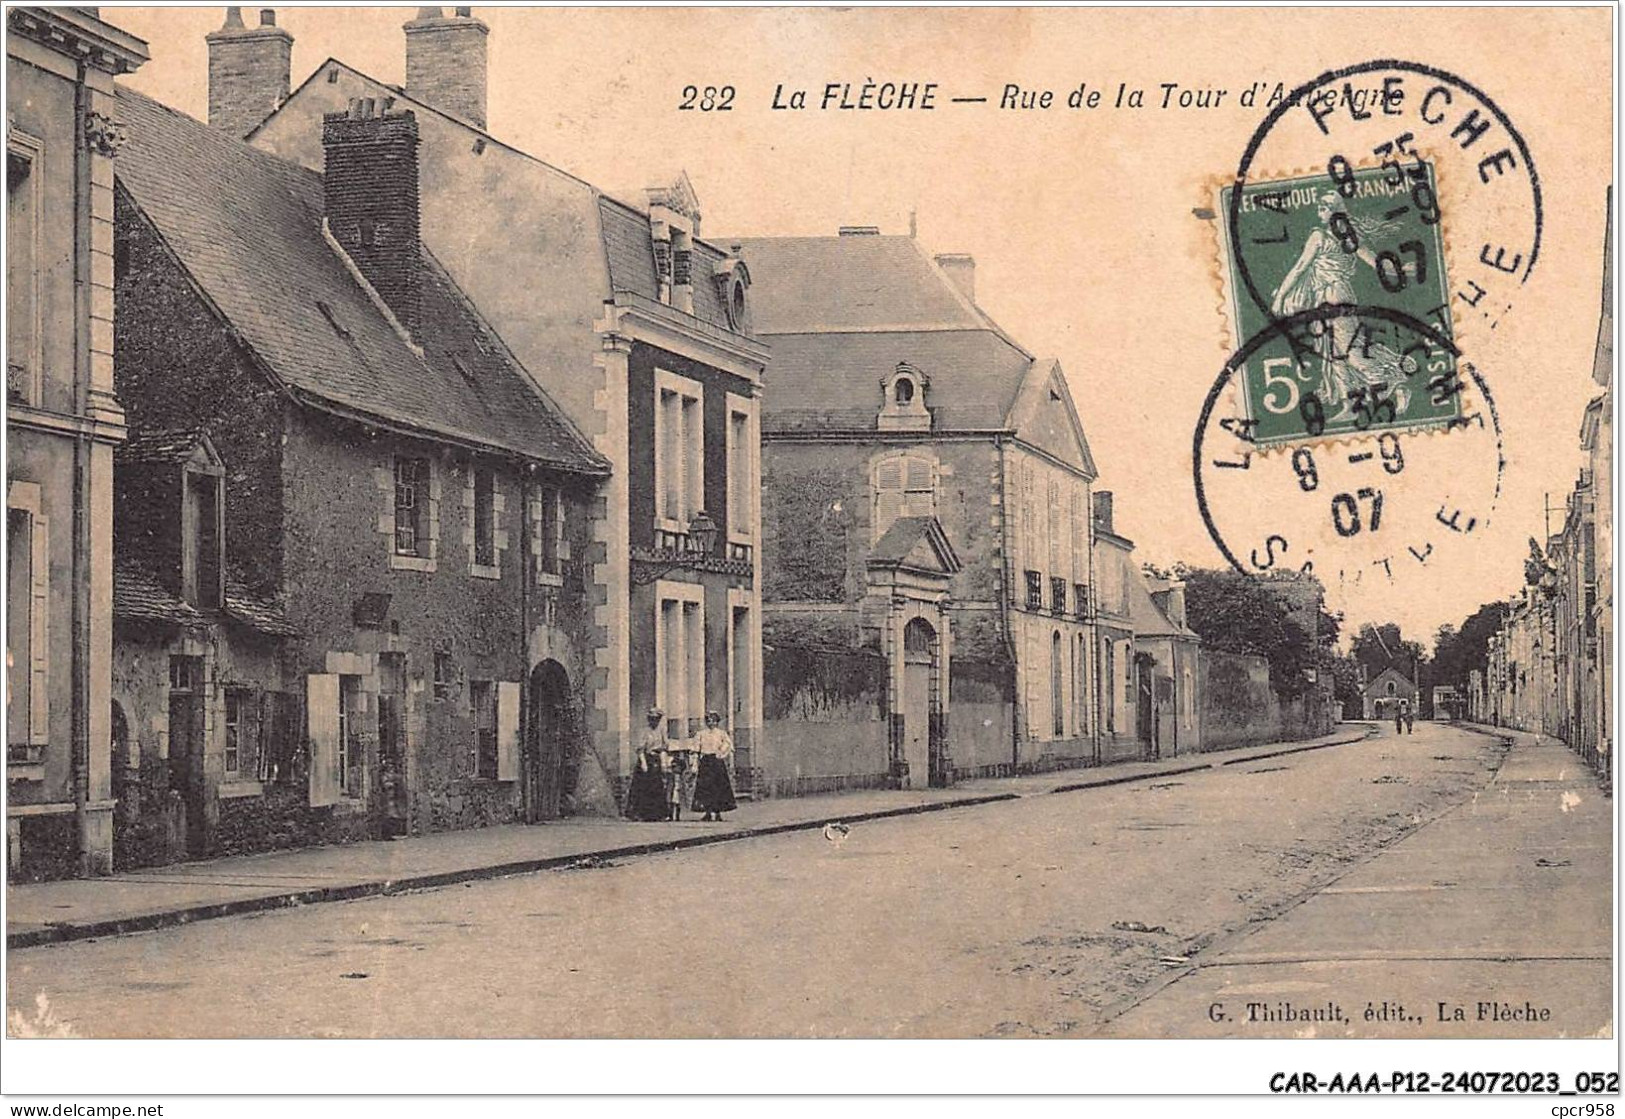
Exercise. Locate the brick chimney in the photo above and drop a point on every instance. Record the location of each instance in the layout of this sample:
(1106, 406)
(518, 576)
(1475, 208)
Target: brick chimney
(961, 271)
(370, 187)
(1103, 510)
(248, 71)
(445, 62)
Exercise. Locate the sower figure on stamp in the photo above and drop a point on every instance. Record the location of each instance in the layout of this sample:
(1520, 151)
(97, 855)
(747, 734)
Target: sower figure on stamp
(713, 792)
(1324, 274)
(646, 796)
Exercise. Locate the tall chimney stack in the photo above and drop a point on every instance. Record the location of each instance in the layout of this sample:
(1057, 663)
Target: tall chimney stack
(961, 271)
(370, 188)
(445, 62)
(1103, 511)
(248, 71)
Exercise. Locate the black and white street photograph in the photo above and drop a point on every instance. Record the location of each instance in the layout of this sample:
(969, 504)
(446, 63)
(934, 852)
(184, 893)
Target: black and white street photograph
(556, 532)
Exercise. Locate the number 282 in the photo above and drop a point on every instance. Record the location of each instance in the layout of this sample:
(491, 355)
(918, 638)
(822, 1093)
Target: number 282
(707, 99)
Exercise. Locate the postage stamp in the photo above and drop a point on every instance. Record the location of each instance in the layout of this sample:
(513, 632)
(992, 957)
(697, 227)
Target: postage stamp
(1347, 240)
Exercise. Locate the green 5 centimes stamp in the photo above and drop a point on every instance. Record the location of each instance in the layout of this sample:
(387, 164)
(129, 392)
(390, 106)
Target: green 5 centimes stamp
(1322, 253)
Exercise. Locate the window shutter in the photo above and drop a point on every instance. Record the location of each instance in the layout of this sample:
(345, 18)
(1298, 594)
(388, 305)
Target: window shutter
(322, 728)
(507, 731)
(917, 474)
(888, 495)
(39, 647)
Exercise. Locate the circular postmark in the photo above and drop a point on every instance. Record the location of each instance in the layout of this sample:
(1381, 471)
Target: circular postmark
(1419, 124)
(1373, 506)
(1415, 193)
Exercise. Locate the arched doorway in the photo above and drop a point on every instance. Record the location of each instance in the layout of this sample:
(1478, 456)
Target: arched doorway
(547, 741)
(918, 699)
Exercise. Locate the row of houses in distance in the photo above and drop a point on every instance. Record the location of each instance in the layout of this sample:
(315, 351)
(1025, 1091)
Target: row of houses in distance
(412, 470)
(1549, 668)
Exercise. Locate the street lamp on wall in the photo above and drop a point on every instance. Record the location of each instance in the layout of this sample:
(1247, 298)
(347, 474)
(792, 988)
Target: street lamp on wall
(702, 533)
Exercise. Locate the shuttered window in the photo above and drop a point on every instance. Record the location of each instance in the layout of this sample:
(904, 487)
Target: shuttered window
(322, 731)
(507, 731)
(904, 486)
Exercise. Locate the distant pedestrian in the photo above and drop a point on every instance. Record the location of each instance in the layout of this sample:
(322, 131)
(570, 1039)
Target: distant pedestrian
(713, 792)
(646, 796)
(1399, 717)
(1410, 719)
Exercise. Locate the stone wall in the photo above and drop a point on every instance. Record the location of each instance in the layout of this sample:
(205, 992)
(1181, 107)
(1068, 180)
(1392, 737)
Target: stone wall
(824, 719)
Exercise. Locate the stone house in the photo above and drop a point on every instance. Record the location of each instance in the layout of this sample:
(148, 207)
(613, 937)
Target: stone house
(927, 530)
(637, 327)
(63, 423)
(1383, 693)
(352, 592)
(1167, 654)
(1124, 731)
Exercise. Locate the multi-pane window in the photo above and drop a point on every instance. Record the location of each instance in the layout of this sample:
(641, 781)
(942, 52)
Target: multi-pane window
(904, 486)
(22, 291)
(1057, 595)
(1056, 527)
(234, 730)
(1057, 687)
(27, 572)
(242, 734)
(1080, 599)
(680, 657)
(352, 744)
(185, 673)
(485, 518)
(550, 529)
(679, 450)
(1035, 590)
(1080, 680)
(445, 675)
(741, 473)
(411, 506)
(1080, 535)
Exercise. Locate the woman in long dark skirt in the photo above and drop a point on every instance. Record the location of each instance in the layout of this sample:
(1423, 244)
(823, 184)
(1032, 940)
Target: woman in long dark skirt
(713, 792)
(646, 796)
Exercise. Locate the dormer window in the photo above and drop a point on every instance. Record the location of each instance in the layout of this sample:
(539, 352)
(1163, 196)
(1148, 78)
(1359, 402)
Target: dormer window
(733, 279)
(203, 540)
(902, 406)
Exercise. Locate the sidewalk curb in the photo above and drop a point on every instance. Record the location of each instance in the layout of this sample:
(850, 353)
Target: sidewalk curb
(147, 922)
(1079, 786)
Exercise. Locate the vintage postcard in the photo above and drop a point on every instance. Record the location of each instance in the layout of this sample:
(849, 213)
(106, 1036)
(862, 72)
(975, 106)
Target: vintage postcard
(814, 523)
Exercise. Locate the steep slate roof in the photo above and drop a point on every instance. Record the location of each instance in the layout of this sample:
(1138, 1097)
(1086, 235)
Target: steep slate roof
(833, 380)
(814, 285)
(841, 312)
(167, 447)
(624, 227)
(629, 251)
(139, 596)
(247, 227)
(1149, 618)
(243, 606)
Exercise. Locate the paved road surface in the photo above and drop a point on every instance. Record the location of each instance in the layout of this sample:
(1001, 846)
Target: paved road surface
(1048, 916)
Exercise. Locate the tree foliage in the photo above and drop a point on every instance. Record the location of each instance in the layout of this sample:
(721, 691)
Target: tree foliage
(1457, 652)
(1241, 614)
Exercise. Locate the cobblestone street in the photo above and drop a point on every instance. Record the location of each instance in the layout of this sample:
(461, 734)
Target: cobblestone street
(1051, 915)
